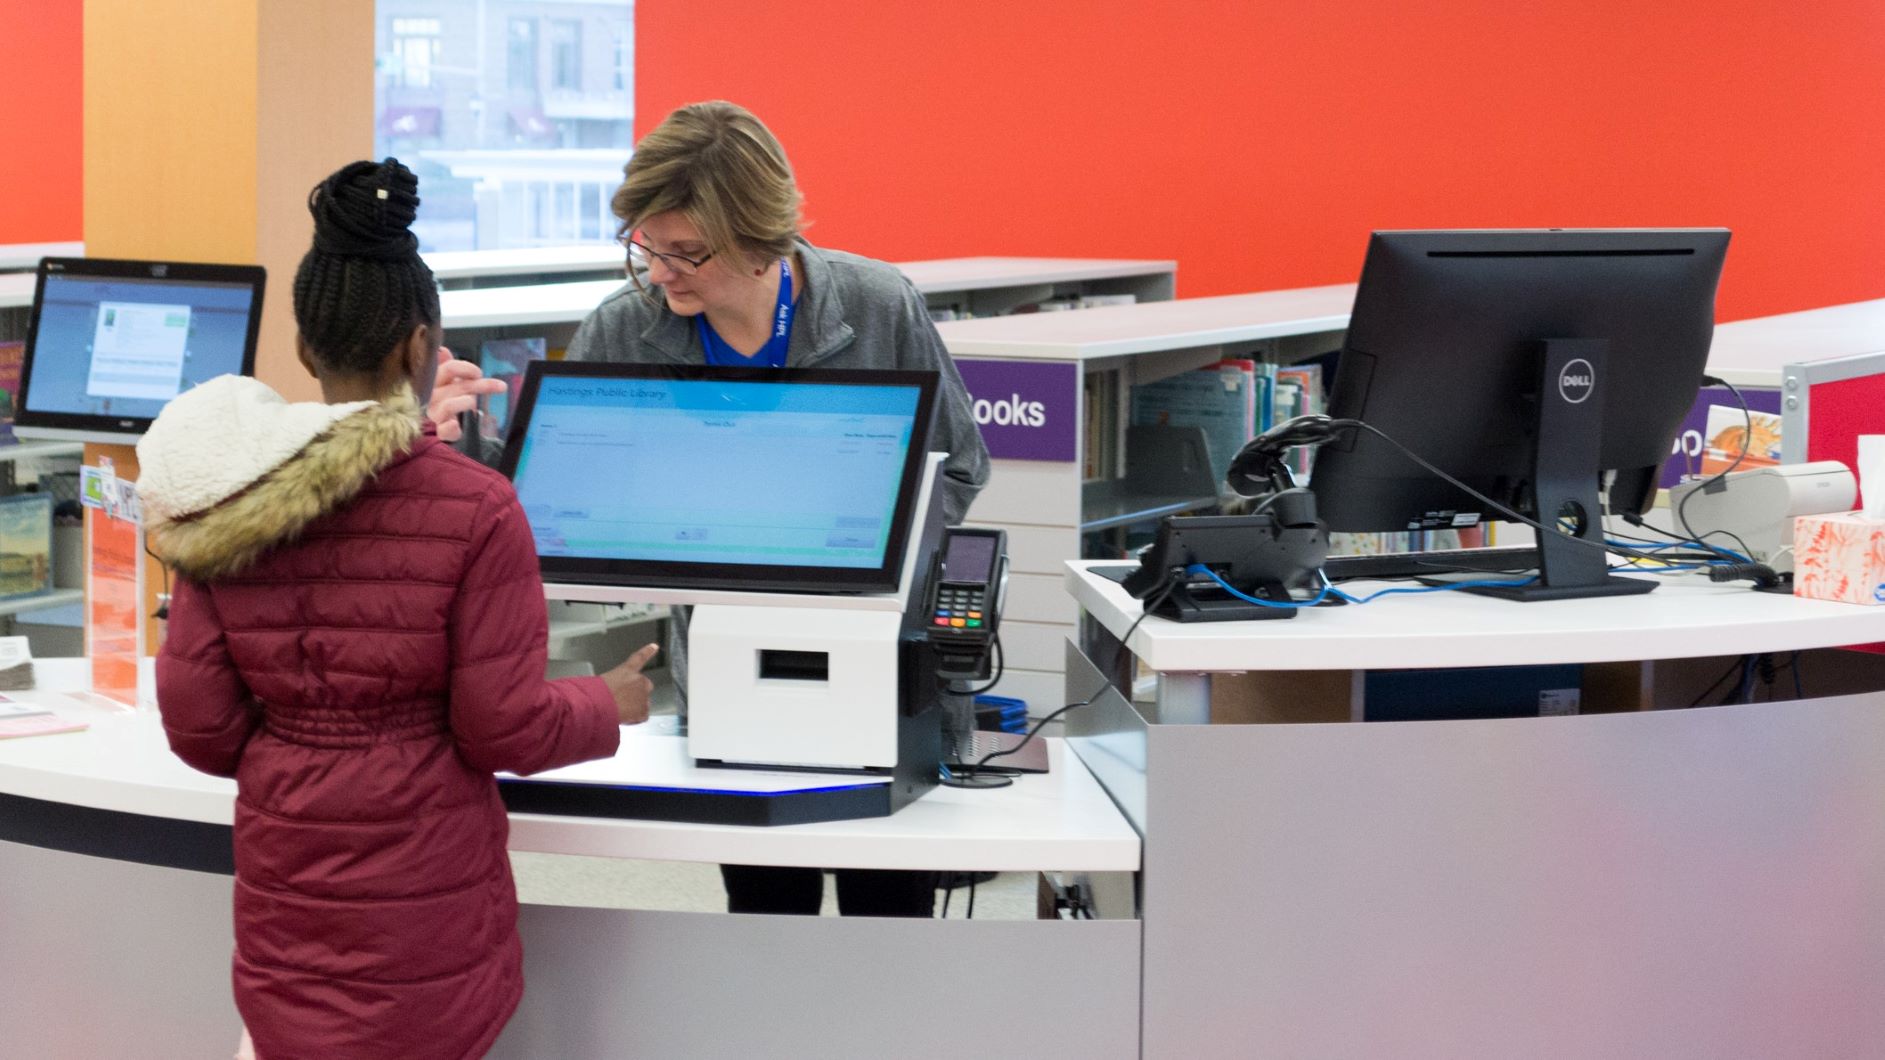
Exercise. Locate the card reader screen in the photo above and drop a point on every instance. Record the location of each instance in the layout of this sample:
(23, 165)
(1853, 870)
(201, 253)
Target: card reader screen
(970, 558)
(715, 470)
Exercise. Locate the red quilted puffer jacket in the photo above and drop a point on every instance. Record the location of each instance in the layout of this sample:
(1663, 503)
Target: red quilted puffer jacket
(359, 638)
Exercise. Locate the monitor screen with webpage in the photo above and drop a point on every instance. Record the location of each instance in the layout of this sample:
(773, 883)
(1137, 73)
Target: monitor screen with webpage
(794, 480)
(110, 342)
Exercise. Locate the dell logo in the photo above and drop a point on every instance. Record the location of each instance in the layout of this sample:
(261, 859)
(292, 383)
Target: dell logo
(1577, 380)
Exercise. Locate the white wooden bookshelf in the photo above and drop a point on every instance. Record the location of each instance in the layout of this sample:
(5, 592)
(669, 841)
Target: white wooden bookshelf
(24, 257)
(1753, 352)
(1047, 506)
(985, 285)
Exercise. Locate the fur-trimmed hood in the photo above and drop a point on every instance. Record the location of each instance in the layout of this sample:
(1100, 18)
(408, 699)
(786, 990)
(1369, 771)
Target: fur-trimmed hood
(230, 470)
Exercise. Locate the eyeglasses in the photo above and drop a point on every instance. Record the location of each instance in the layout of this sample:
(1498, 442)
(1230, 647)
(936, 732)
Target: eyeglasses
(641, 257)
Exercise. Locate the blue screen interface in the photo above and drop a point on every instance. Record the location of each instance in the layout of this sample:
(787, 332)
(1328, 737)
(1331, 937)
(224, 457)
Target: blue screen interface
(708, 471)
(125, 347)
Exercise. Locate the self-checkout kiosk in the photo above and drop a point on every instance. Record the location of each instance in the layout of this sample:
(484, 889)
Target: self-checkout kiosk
(797, 514)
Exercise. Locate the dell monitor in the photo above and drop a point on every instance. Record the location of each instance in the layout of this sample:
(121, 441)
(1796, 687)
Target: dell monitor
(690, 476)
(1526, 364)
(110, 342)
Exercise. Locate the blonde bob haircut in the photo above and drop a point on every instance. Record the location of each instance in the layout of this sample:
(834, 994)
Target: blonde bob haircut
(724, 171)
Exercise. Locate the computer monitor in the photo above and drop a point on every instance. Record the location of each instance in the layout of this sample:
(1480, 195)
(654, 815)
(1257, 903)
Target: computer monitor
(768, 480)
(110, 342)
(1526, 364)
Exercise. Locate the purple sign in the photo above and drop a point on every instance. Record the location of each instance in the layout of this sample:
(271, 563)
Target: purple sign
(1026, 409)
(1686, 456)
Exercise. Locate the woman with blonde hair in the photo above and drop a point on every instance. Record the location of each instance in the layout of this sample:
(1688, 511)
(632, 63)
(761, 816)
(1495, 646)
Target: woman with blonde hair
(721, 274)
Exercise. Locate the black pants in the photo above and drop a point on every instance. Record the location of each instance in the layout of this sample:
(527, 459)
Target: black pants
(799, 892)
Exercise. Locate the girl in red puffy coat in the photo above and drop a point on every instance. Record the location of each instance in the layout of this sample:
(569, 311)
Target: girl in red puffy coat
(358, 636)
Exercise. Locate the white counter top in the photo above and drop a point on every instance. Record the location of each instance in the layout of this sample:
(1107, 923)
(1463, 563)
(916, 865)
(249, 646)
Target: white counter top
(1062, 820)
(1686, 616)
(1114, 331)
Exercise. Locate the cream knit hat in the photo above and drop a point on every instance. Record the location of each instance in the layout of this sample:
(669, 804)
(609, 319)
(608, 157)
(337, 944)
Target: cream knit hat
(217, 439)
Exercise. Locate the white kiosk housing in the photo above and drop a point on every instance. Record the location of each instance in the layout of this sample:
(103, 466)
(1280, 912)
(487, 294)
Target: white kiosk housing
(795, 512)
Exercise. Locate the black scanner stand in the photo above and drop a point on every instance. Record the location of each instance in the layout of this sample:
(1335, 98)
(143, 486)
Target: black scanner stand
(1255, 554)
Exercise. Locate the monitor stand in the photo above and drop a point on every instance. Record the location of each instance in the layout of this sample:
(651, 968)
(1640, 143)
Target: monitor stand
(1565, 473)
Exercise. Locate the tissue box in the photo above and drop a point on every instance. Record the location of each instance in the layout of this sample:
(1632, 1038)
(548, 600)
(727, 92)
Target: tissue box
(1839, 557)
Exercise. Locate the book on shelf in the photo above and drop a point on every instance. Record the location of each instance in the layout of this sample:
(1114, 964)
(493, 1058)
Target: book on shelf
(12, 355)
(1099, 394)
(25, 545)
(506, 359)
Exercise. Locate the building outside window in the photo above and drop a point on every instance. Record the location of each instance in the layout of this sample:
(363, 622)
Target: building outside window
(623, 58)
(566, 55)
(415, 51)
(520, 61)
(517, 140)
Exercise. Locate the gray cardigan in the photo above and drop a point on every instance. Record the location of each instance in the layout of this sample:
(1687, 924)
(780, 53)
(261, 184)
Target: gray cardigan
(853, 312)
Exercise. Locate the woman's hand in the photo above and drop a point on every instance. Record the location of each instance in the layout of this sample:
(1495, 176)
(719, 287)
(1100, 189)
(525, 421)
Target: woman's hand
(630, 687)
(456, 389)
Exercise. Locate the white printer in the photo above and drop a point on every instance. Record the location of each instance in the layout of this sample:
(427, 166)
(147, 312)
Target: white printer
(1759, 505)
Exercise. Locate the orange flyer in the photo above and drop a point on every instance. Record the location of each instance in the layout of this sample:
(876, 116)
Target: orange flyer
(112, 605)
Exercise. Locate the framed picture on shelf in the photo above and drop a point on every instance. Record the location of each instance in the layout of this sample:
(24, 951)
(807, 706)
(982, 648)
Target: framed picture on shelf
(25, 545)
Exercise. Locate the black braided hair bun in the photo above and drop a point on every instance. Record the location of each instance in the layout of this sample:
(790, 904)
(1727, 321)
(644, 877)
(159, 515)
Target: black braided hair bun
(362, 287)
(366, 210)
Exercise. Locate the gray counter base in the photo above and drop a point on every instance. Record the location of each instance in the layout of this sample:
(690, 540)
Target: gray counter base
(1704, 883)
(103, 958)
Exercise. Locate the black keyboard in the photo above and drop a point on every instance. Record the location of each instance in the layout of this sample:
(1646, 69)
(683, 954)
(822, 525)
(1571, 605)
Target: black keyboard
(1441, 561)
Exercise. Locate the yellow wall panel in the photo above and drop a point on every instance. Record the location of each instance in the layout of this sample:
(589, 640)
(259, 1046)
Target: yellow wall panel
(170, 116)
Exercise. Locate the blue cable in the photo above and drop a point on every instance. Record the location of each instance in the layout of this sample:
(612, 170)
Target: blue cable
(1728, 555)
(1206, 572)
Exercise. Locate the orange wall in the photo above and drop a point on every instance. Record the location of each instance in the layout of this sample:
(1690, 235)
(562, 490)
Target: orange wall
(39, 121)
(1258, 142)
(1255, 141)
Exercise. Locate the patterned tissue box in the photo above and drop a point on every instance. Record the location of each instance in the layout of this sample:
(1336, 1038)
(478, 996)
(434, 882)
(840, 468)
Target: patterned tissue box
(1839, 557)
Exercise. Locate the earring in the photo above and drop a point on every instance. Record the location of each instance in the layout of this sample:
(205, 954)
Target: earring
(759, 271)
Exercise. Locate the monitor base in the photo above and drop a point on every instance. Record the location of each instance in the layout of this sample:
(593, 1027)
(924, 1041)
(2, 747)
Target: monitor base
(1609, 585)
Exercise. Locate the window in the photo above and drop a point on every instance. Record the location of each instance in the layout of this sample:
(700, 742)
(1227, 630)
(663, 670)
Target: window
(619, 79)
(521, 59)
(415, 51)
(514, 142)
(566, 55)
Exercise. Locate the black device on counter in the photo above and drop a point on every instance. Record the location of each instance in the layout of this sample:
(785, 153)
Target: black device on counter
(1262, 554)
(963, 605)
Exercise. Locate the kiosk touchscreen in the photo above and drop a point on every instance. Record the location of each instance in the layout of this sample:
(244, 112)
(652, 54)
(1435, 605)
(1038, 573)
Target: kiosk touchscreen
(802, 481)
(110, 342)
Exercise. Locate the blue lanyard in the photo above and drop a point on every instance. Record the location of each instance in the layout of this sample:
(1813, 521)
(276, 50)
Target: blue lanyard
(772, 354)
